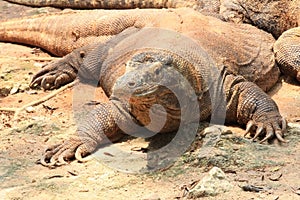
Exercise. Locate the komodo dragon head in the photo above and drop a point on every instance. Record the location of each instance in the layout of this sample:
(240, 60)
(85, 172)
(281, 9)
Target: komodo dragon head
(155, 91)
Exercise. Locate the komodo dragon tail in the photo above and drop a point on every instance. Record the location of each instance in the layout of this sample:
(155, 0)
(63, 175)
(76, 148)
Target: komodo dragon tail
(61, 32)
(113, 4)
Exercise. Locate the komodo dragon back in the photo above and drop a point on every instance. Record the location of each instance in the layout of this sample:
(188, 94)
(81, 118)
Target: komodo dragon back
(273, 16)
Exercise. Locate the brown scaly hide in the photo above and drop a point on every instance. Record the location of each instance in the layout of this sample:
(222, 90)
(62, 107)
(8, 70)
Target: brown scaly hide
(244, 49)
(273, 16)
(206, 5)
(287, 52)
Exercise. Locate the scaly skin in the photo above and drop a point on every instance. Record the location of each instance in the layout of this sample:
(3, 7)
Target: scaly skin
(207, 6)
(71, 30)
(279, 17)
(274, 16)
(287, 52)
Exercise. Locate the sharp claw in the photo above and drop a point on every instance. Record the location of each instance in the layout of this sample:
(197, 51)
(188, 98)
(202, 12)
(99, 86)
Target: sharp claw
(279, 137)
(249, 126)
(78, 154)
(35, 82)
(61, 161)
(46, 164)
(283, 125)
(58, 155)
(279, 131)
(58, 82)
(268, 136)
(258, 132)
(43, 161)
(53, 160)
(43, 83)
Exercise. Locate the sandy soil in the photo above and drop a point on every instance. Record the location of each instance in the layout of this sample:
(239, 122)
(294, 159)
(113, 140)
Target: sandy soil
(273, 167)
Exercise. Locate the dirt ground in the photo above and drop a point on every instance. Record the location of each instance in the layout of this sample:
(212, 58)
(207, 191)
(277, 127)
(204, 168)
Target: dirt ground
(272, 167)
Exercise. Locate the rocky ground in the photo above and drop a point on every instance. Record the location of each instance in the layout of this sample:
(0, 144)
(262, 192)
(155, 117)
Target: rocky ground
(266, 171)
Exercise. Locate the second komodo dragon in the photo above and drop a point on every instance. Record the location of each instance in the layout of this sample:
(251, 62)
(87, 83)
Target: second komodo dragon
(273, 16)
(140, 58)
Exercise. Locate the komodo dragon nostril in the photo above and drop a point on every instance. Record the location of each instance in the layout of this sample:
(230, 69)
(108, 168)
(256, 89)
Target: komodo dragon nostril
(131, 84)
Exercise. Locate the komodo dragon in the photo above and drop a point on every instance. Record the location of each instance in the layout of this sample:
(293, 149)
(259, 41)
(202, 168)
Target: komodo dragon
(138, 52)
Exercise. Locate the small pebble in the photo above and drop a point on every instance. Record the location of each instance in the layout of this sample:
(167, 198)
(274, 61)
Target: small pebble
(14, 90)
(29, 109)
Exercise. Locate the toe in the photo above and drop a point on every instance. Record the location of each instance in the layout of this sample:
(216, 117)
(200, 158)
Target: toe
(250, 125)
(80, 152)
(48, 81)
(61, 80)
(269, 134)
(279, 131)
(259, 131)
(36, 82)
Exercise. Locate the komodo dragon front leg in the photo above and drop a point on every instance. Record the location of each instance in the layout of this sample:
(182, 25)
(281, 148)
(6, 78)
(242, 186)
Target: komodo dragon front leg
(65, 70)
(61, 72)
(99, 127)
(248, 104)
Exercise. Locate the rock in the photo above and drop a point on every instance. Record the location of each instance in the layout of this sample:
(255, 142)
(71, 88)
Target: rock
(29, 109)
(15, 89)
(217, 130)
(211, 185)
(31, 92)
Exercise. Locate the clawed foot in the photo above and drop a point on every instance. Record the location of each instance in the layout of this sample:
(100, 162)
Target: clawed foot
(71, 149)
(54, 75)
(267, 130)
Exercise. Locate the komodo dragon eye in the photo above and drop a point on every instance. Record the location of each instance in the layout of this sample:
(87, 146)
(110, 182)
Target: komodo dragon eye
(157, 71)
(131, 84)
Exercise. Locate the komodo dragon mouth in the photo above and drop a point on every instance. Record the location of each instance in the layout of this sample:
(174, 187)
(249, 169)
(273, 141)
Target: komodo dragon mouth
(144, 91)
